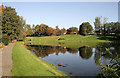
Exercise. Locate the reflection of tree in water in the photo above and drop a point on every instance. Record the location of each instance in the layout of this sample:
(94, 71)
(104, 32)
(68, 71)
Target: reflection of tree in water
(72, 50)
(43, 51)
(40, 51)
(46, 50)
(114, 48)
(85, 52)
(97, 56)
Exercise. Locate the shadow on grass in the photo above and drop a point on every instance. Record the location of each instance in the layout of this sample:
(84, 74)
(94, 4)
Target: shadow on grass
(108, 38)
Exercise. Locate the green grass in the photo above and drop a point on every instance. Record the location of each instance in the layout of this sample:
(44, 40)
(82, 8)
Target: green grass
(49, 40)
(70, 40)
(25, 63)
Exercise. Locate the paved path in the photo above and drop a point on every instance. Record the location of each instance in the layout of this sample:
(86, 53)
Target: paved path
(7, 60)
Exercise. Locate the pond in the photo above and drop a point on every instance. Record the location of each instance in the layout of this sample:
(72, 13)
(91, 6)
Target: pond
(82, 61)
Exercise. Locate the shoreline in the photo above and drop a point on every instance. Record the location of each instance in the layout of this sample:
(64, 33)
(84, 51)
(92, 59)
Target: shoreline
(32, 64)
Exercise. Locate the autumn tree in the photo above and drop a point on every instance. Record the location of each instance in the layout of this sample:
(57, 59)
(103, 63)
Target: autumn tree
(29, 30)
(63, 31)
(100, 25)
(22, 34)
(37, 33)
(97, 24)
(104, 22)
(72, 30)
(33, 28)
(41, 29)
(57, 30)
(49, 31)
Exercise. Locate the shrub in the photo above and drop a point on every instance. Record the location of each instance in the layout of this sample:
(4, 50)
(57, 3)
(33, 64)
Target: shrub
(5, 40)
(1, 45)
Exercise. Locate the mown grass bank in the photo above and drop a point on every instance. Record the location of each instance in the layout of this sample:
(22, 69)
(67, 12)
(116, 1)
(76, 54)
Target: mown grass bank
(70, 40)
(25, 63)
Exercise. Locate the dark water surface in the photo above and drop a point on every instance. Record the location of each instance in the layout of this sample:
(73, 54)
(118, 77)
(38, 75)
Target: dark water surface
(82, 61)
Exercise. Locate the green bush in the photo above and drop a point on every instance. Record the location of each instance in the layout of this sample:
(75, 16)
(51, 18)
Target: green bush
(5, 40)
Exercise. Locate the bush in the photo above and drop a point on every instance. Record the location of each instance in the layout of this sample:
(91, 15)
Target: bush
(1, 45)
(5, 40)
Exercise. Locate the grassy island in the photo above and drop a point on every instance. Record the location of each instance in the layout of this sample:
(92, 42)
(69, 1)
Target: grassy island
(70, 40)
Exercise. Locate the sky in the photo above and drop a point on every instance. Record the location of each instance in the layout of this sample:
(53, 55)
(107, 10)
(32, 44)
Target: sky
(65, 14)
(119, 11)
(59, 0)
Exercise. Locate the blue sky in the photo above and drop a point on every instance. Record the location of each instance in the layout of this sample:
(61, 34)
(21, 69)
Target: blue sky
(64, 14)
(119, 11)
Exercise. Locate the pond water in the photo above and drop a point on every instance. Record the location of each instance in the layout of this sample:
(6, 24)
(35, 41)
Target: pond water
(82, 61)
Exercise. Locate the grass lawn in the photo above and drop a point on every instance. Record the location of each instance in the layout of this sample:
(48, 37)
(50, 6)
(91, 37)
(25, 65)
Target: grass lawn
(70, 40)
(26, 63)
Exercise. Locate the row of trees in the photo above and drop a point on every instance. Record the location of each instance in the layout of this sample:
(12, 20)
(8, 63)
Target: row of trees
(105, 28)
(14, 27)
(43, 30)
(112, 28)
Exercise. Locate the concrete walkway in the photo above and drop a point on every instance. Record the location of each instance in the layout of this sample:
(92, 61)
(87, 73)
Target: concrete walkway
(7, 60)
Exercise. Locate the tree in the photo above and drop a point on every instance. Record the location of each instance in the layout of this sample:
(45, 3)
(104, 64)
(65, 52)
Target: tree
(104, 22)
(33, 28)
(72, 30)
(100, 25)
(57, 31)
(63, 31)
(97, 24)
(49, 31)
(2, 8)
(85, 28)
(41, 29)
(113, 28)
(29, 30)
(57, 28)
(22, 34)
(11, 23)
(117, 32)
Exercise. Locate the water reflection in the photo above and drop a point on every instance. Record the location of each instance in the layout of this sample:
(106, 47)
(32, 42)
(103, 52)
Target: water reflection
(80, 60)
(43, 51)
(85, 52)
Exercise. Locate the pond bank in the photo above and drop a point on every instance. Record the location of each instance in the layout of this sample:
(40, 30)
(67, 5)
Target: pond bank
(27, 64)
